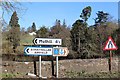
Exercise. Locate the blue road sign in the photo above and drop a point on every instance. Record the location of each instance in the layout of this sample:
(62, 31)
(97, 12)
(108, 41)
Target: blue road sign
(41, 51)
(60, 51)
(56, 51)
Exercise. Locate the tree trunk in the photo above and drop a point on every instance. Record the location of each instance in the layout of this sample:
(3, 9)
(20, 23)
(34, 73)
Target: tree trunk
(101, 50)
(79, 43)
(79, 46)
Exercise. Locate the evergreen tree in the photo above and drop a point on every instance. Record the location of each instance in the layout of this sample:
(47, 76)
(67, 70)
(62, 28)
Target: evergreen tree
(86, 12)
(56, 28)
(102, 18)
(33, 27)
(42, 32)
(64, 23)
(61, 31)
(116, 36)
(14, 32)
(79, 34)
(101, 26)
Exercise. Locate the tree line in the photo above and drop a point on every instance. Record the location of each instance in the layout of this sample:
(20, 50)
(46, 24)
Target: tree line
(83, 41)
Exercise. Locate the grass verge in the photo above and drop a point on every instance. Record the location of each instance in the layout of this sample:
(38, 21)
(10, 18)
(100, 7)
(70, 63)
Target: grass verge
(84, 74)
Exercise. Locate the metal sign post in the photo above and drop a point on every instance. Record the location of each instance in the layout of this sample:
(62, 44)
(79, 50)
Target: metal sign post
(110, 59)
(56, 66)
(40, 75)
(40, 66)
(59, 51)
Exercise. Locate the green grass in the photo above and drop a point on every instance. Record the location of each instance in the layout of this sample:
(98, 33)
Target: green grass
(10, 75)
(26, 39)
(84, 74)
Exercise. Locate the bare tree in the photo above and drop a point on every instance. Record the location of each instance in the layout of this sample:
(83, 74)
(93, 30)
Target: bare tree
(8, 7)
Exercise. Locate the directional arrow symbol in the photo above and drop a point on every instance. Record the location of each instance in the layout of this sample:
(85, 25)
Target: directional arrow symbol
(27, 50)
(35, 41)
(61, 51)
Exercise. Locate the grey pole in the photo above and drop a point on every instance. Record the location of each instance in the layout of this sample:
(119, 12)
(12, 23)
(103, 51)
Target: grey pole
(57, 66)
(40, 66)
(110, 64)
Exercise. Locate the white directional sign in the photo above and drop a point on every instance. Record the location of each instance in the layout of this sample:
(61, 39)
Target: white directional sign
(60, 51)
(46, 41)
(38, 51)
(110, 45)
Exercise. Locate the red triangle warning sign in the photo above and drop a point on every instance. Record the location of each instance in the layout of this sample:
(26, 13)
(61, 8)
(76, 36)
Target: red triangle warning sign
(110, 44)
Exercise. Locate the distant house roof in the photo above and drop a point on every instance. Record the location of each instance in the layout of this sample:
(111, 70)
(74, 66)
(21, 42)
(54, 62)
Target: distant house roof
(32, 33)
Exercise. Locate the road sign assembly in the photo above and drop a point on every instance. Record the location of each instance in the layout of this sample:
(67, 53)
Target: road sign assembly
(60, 51)
(44, 51)
(38, 51)
(110, 44)
(46, 41)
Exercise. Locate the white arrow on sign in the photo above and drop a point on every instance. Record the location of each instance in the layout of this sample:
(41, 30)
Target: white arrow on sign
(38, 51)
(60, 51)
(47, 41)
